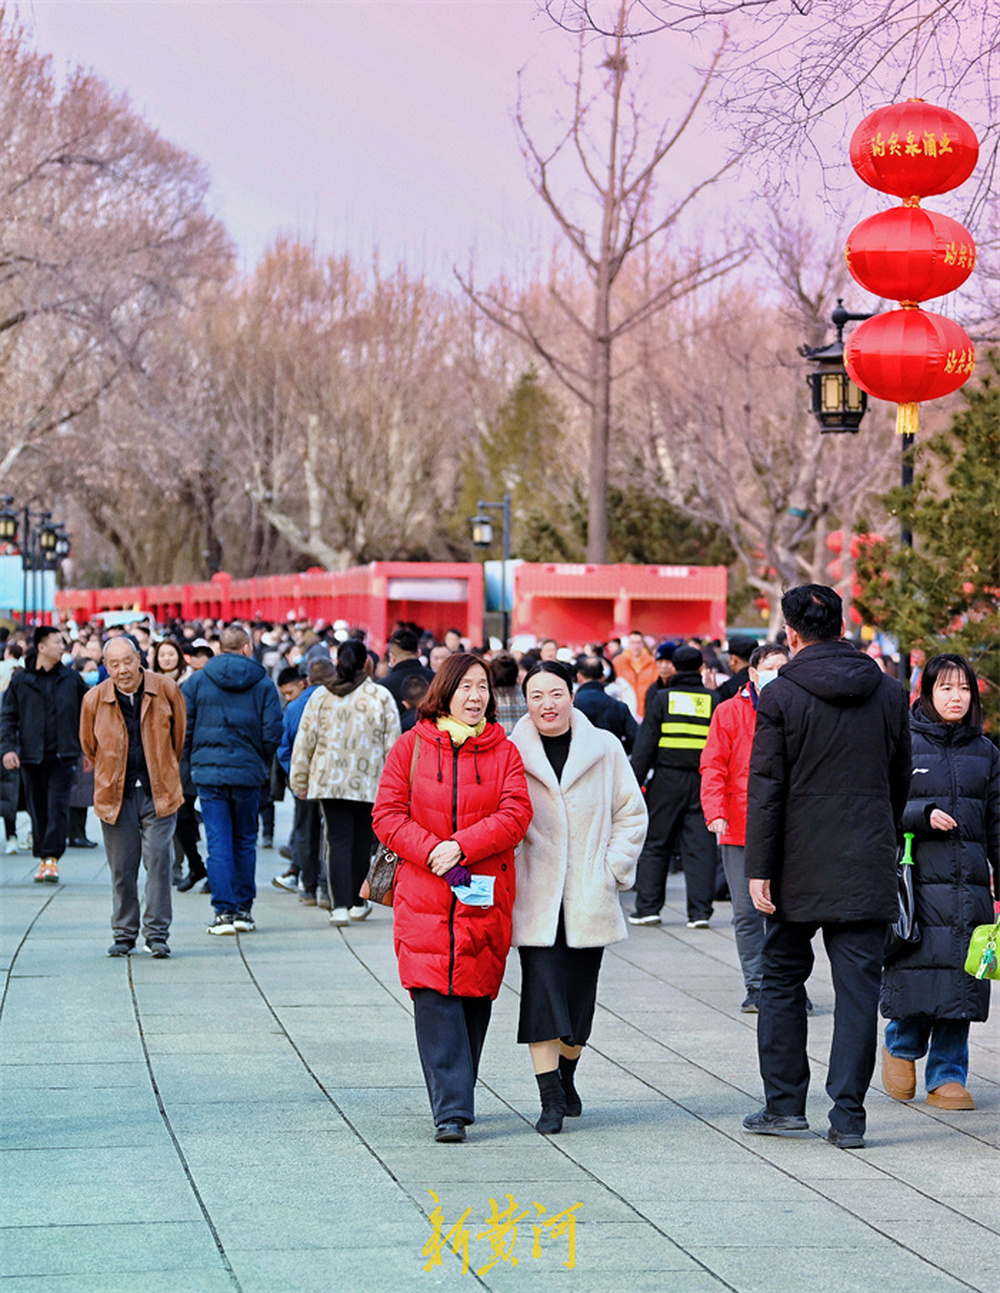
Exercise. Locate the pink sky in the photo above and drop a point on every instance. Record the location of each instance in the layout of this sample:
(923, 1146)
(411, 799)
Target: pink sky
(365, 124)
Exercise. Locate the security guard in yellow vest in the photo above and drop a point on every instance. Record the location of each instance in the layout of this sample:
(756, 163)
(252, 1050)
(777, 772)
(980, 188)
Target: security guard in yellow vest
(670, 742)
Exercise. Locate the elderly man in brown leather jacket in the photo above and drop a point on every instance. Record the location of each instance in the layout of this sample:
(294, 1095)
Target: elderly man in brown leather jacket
(132, 729)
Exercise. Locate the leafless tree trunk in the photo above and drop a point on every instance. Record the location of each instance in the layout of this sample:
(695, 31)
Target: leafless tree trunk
(621, 169)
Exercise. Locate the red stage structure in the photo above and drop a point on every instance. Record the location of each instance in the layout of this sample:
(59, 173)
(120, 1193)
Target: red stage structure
(572, 603)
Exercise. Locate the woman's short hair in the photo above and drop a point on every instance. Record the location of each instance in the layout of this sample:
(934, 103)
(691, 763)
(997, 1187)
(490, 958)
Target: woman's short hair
(556, 667)
(949, 662)
(437, 703)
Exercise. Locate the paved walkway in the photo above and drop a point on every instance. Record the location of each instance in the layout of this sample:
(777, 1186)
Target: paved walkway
(250, 1116)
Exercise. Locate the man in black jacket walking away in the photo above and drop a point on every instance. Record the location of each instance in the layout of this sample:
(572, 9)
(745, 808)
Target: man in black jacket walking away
(670, 742)
(40, 734)
(829, 776)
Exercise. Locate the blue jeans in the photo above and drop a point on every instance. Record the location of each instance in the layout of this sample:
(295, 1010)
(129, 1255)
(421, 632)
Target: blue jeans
(748, 922)
(230, 817)
(945, 1042)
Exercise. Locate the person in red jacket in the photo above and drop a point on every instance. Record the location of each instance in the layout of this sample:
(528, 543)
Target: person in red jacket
(725, 768)
(453, 812)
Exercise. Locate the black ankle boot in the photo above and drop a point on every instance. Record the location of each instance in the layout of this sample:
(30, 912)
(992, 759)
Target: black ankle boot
(567, 1068)
(553, 1103)
(191, 879)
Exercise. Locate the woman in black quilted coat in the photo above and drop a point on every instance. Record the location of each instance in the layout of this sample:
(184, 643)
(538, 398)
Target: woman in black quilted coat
(954, 814)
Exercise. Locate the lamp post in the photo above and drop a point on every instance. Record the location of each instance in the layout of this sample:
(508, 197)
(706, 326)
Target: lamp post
(837, 403)
(482, 537)
(41, 543)
(839, 406)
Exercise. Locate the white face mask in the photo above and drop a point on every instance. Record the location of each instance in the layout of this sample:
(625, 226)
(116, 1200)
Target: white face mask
(764, 676)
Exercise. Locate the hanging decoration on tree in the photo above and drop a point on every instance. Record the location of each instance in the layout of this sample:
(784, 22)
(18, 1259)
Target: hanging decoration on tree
(907, 254)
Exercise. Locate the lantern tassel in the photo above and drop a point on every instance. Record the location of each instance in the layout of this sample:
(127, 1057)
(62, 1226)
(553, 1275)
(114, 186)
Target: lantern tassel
(907, 419)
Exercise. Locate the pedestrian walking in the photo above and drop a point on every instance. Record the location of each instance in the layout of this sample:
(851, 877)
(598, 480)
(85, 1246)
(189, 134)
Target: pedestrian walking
(829, 775)
(954, 814)
(725, 769)
(40, 734)
(587, 829)
(670, 742)
(453, 804)
(234, 725)
(344, 736)
(132, 729)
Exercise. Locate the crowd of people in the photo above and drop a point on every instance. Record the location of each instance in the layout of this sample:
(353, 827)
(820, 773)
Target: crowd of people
(523, 793)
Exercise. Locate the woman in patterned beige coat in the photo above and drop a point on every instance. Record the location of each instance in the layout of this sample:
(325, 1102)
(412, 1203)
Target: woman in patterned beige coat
(340, 750)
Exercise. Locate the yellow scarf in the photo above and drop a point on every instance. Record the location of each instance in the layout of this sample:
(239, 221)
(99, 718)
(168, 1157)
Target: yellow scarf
(459, 731)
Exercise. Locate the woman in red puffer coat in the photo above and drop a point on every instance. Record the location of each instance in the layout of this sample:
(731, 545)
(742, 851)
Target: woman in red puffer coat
(453, 804)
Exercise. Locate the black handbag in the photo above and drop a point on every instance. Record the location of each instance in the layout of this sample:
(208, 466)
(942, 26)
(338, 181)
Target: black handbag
(904, 933)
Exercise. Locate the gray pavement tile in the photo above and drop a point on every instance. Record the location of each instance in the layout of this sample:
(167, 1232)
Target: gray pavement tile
(232, 1076)
(885, 1200)
(964, 1249)
(555, 1195)
(83, 1050)
(308, 1109)
(182, 1281)
(211, 1042)
(708, 1182)
(356, 1264)
(115, 1183)
(90, 1249)
(478, 1161)
(762, 1221)
(40, 1078)
(984, 1207)
(120, 1127)
(788, 1268)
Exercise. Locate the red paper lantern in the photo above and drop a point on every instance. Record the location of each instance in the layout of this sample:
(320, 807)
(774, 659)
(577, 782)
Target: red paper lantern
(906, 356)
(909, 254)
(914, 149)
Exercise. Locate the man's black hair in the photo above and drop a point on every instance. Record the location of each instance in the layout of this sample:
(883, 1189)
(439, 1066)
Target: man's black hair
(815, 612)
(405, 640)
(290, 673)
(590, 667)
(764, 650)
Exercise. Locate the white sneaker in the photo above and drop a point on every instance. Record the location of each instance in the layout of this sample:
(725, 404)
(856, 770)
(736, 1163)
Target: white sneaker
(362, 912)
(12, 844)
(340, 916)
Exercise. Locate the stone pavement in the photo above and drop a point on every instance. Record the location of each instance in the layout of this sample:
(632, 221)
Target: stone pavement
(250, 1115)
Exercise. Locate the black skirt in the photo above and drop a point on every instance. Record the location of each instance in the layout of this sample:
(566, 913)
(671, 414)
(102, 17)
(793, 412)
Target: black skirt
(558, 991)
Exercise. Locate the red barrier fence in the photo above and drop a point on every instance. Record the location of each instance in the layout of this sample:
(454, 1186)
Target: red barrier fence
(571, 603)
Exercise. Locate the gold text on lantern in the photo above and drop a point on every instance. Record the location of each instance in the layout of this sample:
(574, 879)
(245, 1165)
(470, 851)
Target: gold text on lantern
(931, 145)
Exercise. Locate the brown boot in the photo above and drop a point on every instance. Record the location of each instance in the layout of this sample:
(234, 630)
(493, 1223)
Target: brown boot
(950, 1096)
(899, 1077)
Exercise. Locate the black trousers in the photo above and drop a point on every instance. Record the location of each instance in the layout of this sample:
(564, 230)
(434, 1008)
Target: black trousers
(350, 838)
(47, 787)
(450, 1036)
(188, 835)
(306, 841)
(676, 823)
(855, 952)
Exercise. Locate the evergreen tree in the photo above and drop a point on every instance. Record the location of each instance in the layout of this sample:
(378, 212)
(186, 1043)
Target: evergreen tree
(943, 593)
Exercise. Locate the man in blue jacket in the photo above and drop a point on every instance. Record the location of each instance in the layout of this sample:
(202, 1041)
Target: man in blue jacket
(234, 726)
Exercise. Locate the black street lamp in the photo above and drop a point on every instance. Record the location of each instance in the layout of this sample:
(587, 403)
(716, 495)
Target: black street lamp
(482, 537)
(837, 403)
(8, 521)
(41, 543)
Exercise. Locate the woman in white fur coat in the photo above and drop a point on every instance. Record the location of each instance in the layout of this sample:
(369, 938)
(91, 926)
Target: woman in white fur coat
(580, 851)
